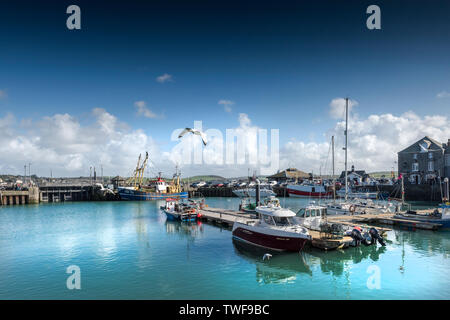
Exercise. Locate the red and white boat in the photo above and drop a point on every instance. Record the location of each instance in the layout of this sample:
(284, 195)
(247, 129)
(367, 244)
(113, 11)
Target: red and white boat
(276, 229)
(308, 191)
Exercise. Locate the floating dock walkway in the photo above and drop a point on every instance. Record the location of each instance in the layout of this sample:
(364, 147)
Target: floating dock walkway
(385, 219)
(321, 240)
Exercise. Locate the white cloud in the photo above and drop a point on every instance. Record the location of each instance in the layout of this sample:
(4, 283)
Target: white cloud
(337, 107)
(68, 147)
(142, 110)
(164, 78)
(443, 94)
(226, 104)
(3, 94)
(373, 142)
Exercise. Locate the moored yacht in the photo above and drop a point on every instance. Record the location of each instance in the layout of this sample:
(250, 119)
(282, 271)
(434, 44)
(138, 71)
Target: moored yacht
(276, 229)
(251, 192)
(359, 206)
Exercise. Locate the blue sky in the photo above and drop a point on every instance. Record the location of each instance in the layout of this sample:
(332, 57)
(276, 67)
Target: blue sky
(281, 63)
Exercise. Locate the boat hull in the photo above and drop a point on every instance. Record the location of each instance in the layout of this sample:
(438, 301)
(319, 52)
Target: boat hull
(306, 194)
(444, 223)
(174, 216)
(137, 195)
(359, 195)
(271, 242)
(264, 193)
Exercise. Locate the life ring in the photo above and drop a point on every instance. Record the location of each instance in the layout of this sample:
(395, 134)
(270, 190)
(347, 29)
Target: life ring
(352, 209)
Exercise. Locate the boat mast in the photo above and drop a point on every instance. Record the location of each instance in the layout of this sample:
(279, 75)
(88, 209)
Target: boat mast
(332, 157)
(403, 192)
(346, 144)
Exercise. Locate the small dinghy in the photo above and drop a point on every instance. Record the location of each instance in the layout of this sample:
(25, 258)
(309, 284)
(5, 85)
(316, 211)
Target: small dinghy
(439, 217)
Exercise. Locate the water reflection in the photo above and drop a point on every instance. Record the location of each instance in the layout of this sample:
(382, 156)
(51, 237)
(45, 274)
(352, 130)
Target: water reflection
(185, 230)
(284, 267)
(338, 261)
(280, 268)
(141, 218)
(423, 241)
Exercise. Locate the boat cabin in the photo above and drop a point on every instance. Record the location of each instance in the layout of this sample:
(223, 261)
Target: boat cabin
(312, 212)
(159, 184)
(445, 215)
(276, 216)
(313, 216)
(170, 204)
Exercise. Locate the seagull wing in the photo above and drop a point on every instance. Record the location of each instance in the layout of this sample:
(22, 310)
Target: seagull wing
(186, 130)
(203, 135)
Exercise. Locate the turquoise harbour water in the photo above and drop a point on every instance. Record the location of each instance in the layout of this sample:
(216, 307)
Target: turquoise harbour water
(127, 250)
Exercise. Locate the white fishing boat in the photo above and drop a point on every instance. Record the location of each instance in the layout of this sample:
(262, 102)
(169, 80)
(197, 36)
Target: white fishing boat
(251, 192)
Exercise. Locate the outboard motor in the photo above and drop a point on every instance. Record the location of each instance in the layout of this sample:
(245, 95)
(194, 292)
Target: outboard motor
(368, 240)
(356, 235)
(376, 236)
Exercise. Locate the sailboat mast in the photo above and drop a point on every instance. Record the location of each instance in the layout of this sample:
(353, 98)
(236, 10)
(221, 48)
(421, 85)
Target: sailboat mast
(346, 145)
(332, 157)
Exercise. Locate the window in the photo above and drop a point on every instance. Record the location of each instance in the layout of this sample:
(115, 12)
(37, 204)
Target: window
(268, 219)
(415, 166)
(415, 156)
(430, 166)
(430, 155)
(301, 212)
(283, 221)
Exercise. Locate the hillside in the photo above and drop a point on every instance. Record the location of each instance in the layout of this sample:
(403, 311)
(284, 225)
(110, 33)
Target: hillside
(205, 178)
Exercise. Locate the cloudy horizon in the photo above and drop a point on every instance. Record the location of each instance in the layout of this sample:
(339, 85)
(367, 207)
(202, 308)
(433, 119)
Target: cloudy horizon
(68, 147)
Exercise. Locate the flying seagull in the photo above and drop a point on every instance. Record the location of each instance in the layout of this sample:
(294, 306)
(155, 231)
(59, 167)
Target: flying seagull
(194, 131)
(267, 256)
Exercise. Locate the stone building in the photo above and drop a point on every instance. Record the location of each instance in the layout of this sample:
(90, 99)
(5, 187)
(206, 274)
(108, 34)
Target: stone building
(356, 177)
(424, 161)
